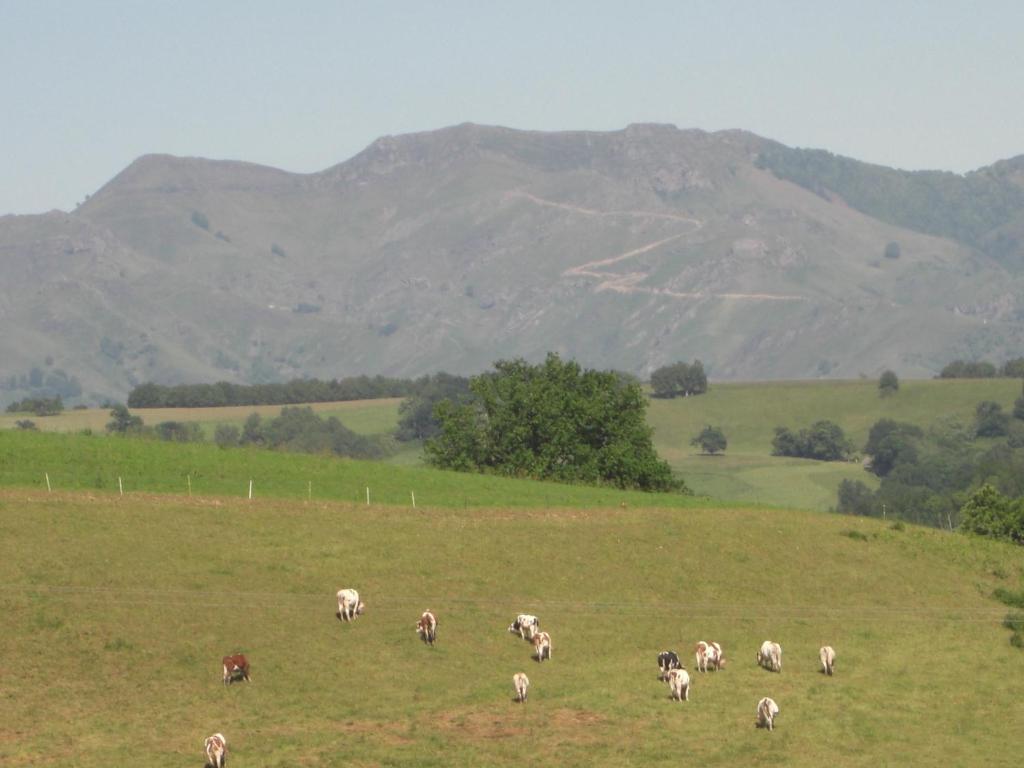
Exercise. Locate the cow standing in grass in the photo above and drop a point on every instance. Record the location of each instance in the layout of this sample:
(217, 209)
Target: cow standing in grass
(679, 684)
(525, 625)
(542, 646)
(667, 661)
(767, 711)
(708, 656)
(235, 667)
(521, 683)
(216, 751)
(426, 627)
(349, 605)
(828, 659)
(769, 656)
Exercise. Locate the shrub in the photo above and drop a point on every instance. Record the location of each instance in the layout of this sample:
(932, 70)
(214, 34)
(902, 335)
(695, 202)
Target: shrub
(710, 439)
(226, 435)
(855, 535)
(200, 220)
(888, 384)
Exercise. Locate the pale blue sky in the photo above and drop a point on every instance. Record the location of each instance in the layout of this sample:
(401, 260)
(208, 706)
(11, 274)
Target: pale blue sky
(86, 87)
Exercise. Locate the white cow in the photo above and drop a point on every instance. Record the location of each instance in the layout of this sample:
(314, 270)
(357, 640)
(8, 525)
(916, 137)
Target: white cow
(767, 711)
(349, 605)
(216, 750)
(542, 646)
(679, 684)
(769, 656)
(521, 683)
(828, 659)
(525, 625)
(708, 655)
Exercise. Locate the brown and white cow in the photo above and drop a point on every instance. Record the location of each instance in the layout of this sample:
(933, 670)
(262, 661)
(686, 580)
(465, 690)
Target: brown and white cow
(349, 605)
(542, 646)
(828, 659)
(708, 656)
(679, 684)
(521, 683)
(426, 627)
(216, 751)
(236, 667)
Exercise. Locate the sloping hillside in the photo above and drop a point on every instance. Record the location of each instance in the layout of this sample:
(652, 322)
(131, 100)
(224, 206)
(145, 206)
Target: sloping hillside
(452, 248)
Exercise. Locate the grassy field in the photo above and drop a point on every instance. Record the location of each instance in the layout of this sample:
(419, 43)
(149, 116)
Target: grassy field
(747, 412)
(93, 462)
(117, 611)
(367, 417)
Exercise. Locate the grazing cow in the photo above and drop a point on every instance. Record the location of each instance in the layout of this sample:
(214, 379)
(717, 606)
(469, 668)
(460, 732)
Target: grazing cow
(349, 605)
(525, 625)
(708, 655)
(769, 656)
(667, 661)
(521, 683)
(426, 627)
(542, 646)
(216, 751)
(767, 711)
(236, 667)
(679, 684)
(828, 659)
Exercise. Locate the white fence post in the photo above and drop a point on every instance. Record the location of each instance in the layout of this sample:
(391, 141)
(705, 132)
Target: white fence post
(48, 488)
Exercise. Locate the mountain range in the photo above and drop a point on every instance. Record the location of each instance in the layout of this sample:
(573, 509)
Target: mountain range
(449, 249)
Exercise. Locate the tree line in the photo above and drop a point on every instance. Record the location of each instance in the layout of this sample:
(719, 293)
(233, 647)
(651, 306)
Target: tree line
(296, 391)
(981, 369)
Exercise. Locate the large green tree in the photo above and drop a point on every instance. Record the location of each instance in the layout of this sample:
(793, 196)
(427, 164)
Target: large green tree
(552, 421)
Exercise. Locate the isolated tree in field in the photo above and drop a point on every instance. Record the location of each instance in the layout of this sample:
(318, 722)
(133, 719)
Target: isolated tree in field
(710, 439)
(552, 421)
(892, 250)
(122, 421)
(888, 384)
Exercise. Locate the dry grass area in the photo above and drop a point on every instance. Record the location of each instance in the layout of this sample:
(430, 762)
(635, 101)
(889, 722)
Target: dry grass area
(117, 612)
(381, 410)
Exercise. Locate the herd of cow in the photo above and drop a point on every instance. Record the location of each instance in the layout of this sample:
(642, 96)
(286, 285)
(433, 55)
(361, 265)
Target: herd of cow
(707, 657)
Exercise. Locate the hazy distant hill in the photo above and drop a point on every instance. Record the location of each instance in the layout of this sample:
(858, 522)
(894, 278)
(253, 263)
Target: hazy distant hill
(452, 248)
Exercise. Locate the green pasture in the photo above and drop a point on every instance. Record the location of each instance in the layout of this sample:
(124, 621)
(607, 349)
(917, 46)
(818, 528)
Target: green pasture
(118, 610)
(748, 414)
(95, 462)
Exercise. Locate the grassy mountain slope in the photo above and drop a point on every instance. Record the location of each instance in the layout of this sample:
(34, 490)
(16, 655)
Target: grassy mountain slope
(451, 248)
(134, 601)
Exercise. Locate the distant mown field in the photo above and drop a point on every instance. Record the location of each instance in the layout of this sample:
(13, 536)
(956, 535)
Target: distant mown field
(117, 612)
(747, 412)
